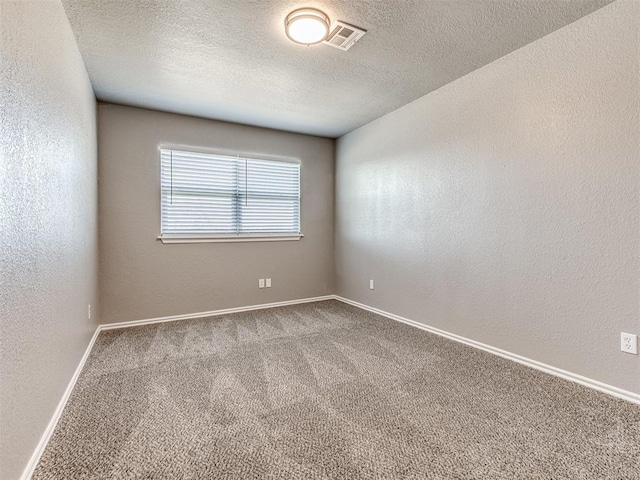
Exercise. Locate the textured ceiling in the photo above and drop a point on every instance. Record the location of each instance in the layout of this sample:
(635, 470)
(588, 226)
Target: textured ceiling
(230, 59)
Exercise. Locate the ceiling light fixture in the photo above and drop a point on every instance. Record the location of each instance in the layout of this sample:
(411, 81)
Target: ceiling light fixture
(307, 26)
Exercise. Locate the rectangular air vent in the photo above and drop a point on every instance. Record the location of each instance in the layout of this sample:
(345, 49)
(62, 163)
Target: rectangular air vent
(344, 36)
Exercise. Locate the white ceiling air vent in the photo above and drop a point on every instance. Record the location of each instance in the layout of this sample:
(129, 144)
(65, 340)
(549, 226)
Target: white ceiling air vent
(344, 36)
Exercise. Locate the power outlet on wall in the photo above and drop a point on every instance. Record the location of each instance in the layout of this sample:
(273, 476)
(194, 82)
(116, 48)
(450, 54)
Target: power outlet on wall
(261, 283)
(629, 343)
(89, 312)
(371, 284)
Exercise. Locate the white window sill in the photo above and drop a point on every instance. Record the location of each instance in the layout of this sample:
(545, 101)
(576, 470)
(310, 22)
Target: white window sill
(200, 238)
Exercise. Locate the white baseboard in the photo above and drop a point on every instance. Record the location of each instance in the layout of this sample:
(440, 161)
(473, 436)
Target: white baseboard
(213, 313)
(573, 377)
(42, 444)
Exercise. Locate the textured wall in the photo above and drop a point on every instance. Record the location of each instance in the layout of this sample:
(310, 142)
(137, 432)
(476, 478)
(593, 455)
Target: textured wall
(140, 277)
(48, 220)
(504, 207)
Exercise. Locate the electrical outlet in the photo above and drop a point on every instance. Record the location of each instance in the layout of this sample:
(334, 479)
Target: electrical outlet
(371, 285)
(629, 343)
(268, 285)
(261, 283)
(89, 313)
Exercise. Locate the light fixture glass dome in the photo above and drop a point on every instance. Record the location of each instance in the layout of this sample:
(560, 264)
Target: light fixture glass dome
(307, 26)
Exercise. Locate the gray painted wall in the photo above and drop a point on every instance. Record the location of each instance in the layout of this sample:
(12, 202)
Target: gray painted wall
(504, 207)
(140, 277)
(48, 227)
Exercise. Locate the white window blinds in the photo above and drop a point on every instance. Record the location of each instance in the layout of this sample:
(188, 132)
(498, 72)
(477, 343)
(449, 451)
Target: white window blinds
(219, 195)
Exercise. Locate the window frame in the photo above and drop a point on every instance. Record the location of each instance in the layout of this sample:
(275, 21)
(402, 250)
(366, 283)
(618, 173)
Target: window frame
(171, 238)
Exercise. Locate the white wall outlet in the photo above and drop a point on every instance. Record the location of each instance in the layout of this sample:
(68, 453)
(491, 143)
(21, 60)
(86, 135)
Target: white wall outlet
(261, 283)
(629, 343)
(268, 284)
(371, 285)
(89, 312)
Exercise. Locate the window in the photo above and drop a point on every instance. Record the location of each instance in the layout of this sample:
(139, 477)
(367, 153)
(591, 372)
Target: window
(209, 197)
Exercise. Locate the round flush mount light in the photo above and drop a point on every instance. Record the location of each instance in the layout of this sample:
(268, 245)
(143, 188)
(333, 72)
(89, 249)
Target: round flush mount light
(307, 26)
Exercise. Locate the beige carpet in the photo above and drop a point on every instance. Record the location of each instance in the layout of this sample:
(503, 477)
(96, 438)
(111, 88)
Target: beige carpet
(326, 390)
